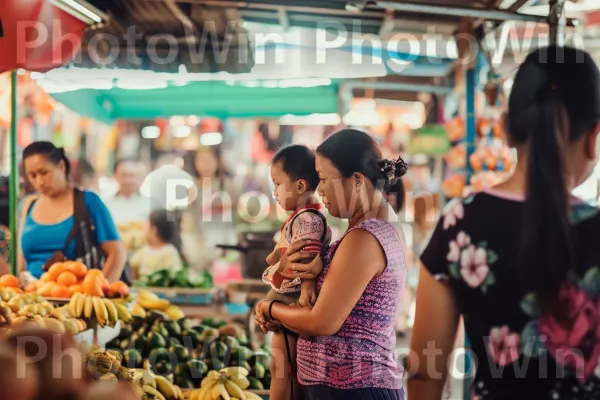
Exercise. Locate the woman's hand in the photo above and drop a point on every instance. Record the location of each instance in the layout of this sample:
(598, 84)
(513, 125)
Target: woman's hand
(261, 315)
(291, 265)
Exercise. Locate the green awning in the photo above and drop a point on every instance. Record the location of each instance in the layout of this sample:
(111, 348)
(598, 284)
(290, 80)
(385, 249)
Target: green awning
(214, 99)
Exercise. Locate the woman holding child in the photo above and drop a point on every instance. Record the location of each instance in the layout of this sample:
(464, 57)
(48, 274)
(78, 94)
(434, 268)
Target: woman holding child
(346, 348)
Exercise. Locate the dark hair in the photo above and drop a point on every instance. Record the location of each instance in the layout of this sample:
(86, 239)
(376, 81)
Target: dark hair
(298, 162)
(352, 151)
(120, 162)
(398, 190)
(555, 100)
(85, 167)
(54, 154)
(167, 227)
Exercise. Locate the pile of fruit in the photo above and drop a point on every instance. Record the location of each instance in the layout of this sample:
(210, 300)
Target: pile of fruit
(161, 334)
(228, 383)
(106, 311)
(108, 366)
(33, 308)
(182, 279)
(63, 279)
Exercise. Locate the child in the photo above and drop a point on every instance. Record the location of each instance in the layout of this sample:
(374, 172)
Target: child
(295, 178)
(162, 249)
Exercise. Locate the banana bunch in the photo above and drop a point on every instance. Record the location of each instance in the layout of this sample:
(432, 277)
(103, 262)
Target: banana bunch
(41, 309)
(18, 302)
(150, 301)
(106, 311)
(7, 293)
(227, 384)
(155, 386)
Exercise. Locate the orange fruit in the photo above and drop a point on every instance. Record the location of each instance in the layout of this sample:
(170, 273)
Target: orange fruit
(30, 288)
(9, 281)
(92, 286)
(95, 272)
(119, 288)
(45, 277)
(55, 270)
(66, 279)
(76, 288)
(77, 268)
(60, 291)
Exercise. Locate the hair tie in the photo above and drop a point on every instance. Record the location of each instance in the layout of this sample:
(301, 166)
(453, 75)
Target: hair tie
(393, 168)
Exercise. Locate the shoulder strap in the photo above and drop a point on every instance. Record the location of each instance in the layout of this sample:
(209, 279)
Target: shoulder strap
(317, 212)
(80, 214)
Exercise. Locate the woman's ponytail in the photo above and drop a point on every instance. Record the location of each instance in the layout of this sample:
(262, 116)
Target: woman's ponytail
(546, 242)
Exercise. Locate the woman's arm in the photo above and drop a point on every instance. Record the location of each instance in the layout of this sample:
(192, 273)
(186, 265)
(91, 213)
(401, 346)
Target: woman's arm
(436, 322)
(116, 256)
(358, 259)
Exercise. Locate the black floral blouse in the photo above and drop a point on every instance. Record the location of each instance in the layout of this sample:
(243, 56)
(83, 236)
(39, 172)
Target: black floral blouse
(519, 354)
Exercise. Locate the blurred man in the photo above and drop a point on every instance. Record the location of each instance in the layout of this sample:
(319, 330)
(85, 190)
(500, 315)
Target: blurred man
(128, 204)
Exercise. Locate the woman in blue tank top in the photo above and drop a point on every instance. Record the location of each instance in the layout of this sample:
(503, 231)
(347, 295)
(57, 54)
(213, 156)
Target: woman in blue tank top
(48, 217)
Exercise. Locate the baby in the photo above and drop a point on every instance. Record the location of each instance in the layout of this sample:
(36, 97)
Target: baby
(295, 178)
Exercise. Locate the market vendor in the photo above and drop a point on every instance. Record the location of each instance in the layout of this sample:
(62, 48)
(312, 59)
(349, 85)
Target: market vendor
(48, 217)
(361, 283)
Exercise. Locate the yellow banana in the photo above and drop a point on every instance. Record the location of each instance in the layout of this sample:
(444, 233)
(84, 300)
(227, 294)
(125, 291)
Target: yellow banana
(220, 390)
(180, 395)
(88, 307)
(73, 302)
(240, 381)
(195, 394)
(100, 310)
(122, 312)
(208, 381)
(205, 393)
(234, 390)
(174, 312)
(252, 396)
(235, 371)
(80, 306)
(159, 304)
(151, 391)
(166, 388)
(139, 311)
(113, 314)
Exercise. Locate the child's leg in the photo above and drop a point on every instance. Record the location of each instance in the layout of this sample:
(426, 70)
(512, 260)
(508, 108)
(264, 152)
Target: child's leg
(280, 368)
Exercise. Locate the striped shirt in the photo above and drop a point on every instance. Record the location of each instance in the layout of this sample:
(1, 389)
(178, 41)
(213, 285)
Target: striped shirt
(362, 353)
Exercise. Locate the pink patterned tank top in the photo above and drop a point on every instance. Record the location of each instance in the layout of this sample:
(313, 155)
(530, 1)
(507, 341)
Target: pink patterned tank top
(362, 353)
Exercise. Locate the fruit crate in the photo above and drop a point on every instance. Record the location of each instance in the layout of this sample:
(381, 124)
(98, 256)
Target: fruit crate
(184, 296)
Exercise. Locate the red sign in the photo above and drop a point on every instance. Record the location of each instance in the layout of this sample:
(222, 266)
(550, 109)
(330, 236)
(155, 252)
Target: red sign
(37, 35)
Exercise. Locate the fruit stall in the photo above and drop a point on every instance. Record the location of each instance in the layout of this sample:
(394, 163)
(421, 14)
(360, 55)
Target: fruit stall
(139, 335)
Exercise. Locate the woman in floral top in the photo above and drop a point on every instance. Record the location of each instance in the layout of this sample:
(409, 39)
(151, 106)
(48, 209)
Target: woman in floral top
(521, 262)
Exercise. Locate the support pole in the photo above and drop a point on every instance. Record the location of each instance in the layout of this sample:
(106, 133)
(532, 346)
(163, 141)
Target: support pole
(557, 21)
(14, 174)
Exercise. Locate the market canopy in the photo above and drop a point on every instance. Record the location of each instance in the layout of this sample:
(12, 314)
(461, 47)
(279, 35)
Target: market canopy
(216, 99)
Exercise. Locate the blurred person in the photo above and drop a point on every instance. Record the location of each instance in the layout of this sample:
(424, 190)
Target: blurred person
(83, 175)
(128, 204)
(519, 262)
(48, 230)
(163, 249)
(210, 218)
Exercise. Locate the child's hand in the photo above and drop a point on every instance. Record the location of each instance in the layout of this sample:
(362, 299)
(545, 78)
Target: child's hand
(308, 295)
